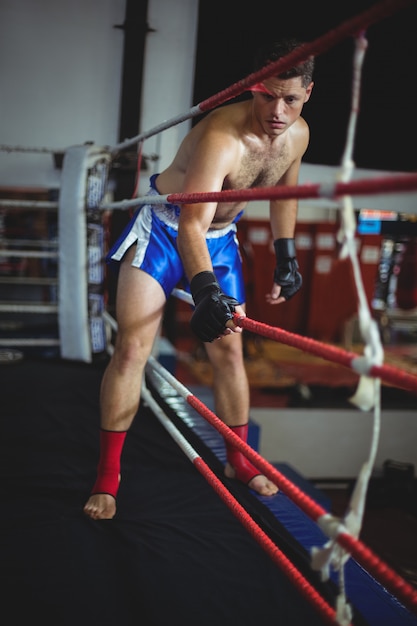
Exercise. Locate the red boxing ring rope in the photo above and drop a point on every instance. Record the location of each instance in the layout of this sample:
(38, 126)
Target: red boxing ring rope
(363, 555)
(387, 373)
(371, 186)
(384, 184)
(331, 353)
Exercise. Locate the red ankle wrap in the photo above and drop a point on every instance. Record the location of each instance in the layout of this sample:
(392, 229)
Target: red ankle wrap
(108, 470)
(244, 469)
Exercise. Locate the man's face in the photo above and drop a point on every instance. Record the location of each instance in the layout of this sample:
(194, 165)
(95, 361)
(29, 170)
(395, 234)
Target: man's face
(281, 104)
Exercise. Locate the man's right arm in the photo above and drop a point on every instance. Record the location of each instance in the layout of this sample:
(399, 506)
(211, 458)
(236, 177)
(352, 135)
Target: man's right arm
(206, 171)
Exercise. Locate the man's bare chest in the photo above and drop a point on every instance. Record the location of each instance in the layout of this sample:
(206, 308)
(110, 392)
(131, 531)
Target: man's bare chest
(259, 168)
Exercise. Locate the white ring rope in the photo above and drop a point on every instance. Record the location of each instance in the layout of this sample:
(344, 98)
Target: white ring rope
(29, 205)
(29, 307)
(368, 392)
(5, 148)
(34, 254)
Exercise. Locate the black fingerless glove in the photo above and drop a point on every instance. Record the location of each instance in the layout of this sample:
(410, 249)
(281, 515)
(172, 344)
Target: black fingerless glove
(212, 307)
(286, 271)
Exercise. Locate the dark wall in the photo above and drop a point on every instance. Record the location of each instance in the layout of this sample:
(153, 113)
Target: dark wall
(386, 137)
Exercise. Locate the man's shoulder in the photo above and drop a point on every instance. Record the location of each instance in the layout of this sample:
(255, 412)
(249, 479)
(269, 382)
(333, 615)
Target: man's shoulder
(220, 125)
(301, 133)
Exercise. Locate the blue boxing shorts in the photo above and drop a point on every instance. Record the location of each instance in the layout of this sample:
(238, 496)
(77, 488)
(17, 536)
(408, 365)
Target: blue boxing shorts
(154, 229)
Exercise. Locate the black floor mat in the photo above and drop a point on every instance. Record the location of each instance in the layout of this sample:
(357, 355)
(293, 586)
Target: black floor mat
(174, 554)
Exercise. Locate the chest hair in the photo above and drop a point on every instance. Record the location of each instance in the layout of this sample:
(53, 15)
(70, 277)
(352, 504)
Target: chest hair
(260, 168)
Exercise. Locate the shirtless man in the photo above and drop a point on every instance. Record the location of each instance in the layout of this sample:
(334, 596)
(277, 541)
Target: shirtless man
(256, 143)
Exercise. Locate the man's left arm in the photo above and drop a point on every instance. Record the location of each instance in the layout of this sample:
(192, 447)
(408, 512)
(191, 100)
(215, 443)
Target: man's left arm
(287, 279)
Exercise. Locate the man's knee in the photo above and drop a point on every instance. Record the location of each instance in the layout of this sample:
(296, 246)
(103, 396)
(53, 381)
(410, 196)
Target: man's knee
(226, 352)
(131, 351)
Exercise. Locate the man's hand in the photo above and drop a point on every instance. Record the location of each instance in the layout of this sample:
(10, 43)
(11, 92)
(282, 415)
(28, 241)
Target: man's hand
(213, 314)
(287, 278)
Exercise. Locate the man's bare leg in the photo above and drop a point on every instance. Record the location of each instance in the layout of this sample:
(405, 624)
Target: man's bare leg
(231, 395)
(140, 303)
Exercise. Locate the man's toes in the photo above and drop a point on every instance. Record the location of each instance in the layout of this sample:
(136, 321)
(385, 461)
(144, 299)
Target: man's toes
(263, 486)
(271, 488)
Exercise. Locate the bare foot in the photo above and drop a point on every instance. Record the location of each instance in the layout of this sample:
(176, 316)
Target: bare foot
(100, 506)
(260, 483)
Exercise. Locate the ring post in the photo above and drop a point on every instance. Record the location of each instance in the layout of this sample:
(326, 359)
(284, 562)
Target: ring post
(81, 251)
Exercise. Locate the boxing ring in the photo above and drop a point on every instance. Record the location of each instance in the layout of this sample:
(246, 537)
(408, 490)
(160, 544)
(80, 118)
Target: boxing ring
(341, 580)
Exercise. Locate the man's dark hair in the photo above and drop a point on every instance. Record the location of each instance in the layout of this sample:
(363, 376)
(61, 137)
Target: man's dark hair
(278, 49)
